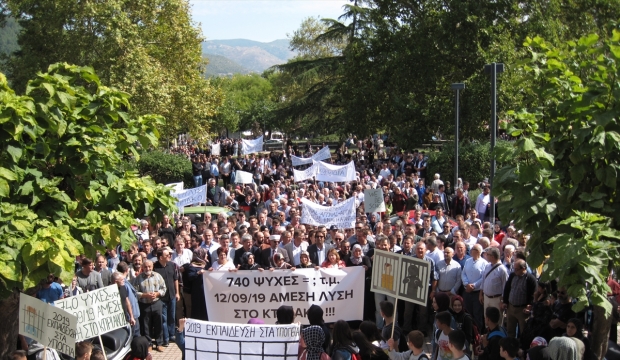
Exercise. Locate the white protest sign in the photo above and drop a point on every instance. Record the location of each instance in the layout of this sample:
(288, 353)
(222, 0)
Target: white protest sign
(215, 149)
(302, 175)
(322, 154)
(47, 324)
(404, 277)
(236, 297)
(298, 161)
(335, 173)
(213, 340)
(188, 197)
(373, 200)
(252, 146)
(342, 214)
(98, 312)
(176, 187)
(243, 177)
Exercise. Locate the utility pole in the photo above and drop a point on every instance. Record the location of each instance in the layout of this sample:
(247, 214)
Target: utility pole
(493, 69)
(457, 87)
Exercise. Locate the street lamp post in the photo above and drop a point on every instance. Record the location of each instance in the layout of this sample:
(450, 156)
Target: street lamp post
(457, 87)
(493, 69)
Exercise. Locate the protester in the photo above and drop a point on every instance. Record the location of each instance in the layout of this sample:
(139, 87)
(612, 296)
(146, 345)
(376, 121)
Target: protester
(367, 350)
(343, 346)
(415, 342)
(315, 317)
(285, 315)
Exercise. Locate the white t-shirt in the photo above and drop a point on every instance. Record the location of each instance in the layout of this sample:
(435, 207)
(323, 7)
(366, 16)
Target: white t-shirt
(444, 349)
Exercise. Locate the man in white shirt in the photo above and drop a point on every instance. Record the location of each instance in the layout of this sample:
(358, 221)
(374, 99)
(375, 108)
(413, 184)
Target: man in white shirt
(482, 202)
(449, 274)
(493, 280)
(472, 274)
(295, 247)
(181, 255)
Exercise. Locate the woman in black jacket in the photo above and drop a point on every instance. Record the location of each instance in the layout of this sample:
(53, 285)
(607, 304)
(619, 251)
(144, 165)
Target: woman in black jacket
(358, 259)
(343, 346)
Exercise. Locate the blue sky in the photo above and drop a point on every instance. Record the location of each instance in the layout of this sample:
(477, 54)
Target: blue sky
(259, 20)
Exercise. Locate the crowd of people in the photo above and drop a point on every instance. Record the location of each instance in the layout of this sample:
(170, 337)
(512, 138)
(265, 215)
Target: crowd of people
(484, 300)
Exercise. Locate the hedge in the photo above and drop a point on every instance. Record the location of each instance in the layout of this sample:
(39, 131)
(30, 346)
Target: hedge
(166, 168)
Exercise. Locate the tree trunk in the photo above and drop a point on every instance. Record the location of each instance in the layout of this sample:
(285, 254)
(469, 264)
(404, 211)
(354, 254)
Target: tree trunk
(9, 310)
(601, 325)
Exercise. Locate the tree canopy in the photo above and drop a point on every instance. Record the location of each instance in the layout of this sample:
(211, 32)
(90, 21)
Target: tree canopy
(63, 187)
(147, 48)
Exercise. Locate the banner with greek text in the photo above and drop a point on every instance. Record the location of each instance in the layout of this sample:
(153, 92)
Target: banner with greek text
(252, 146)
(236, 297)
(47, 324)
(97, 312)
(320, 155)
(335, 173)
(243, 177)
(374, 201)
(342, 214)
(188, 197)
(302, 175)
(215, 149)
(213, 341)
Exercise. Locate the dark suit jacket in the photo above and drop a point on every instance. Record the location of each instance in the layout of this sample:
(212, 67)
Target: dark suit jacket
(266, 260)
(313, 252)
(239, 253)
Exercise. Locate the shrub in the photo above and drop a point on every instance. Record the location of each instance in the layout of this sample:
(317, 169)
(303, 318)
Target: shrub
(166, 168)
(474, 162)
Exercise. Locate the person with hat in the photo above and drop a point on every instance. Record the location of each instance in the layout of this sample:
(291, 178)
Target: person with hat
(267, 255)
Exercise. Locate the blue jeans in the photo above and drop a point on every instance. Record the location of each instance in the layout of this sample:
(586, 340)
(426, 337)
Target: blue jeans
(167, 315)
(197, 180)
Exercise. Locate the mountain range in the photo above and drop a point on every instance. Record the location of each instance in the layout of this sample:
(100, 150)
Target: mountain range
(244, 56)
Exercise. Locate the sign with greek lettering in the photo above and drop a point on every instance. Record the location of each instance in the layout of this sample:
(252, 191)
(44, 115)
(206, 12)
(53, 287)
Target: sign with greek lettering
(215, 149)
(342, 214)
(320, 155)
(243, 177)
(302, 175)
(401, 276)
(213, 340)
(188, 197)
(252, 146)
(97, 312)
(335, 173)
(236, 297)
(47, 324)
(373, 200)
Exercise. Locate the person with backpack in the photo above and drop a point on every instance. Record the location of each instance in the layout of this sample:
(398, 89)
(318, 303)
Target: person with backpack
(312, 347)
(441, 303)
(490, 341)
(441, 349)
(343, 347)
(368, 351)
(464, 321)
(415, 342)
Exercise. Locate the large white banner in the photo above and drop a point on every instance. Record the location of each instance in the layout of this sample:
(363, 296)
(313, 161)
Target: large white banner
(47, 324)
(342, 214)
(98, 312)
(374, 201)
(335, 173)
(303, 175)
(188, 197)
(252, 146)
(243, 177)
(320, 155)
(236, 297)
(213, 340)
(215, 149)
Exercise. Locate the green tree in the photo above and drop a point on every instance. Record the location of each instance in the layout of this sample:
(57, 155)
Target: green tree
(562, 189)
(310, 43)
(147, 48)
(62, 187)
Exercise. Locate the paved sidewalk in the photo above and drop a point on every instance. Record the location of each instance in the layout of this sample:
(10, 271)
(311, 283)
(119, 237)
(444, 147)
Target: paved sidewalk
(171, 352)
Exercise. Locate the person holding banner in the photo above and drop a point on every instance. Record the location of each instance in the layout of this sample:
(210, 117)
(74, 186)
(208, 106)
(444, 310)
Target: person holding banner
(333, 260)
(222, 263)
(248, 262)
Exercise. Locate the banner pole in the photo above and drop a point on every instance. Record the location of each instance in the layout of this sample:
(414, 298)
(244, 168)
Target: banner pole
(394, 317)
(45, 353)
(103, 348)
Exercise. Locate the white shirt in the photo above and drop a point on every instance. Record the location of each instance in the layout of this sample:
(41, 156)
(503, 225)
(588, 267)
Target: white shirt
(437, 255)
(321, 254)
(494, 283)
(184, 258)
(481, 203)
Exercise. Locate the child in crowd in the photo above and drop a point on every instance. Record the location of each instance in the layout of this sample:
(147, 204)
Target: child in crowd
(415, 342)
(509, 348)
(456, 342)
(387, 313)
(442, 349)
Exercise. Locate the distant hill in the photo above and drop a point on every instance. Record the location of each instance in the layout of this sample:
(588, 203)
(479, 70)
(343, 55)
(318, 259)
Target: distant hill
(252, 55)
(221, 66)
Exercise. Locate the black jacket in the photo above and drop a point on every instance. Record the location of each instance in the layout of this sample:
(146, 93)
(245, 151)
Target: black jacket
(313, 252)
(530, 284)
